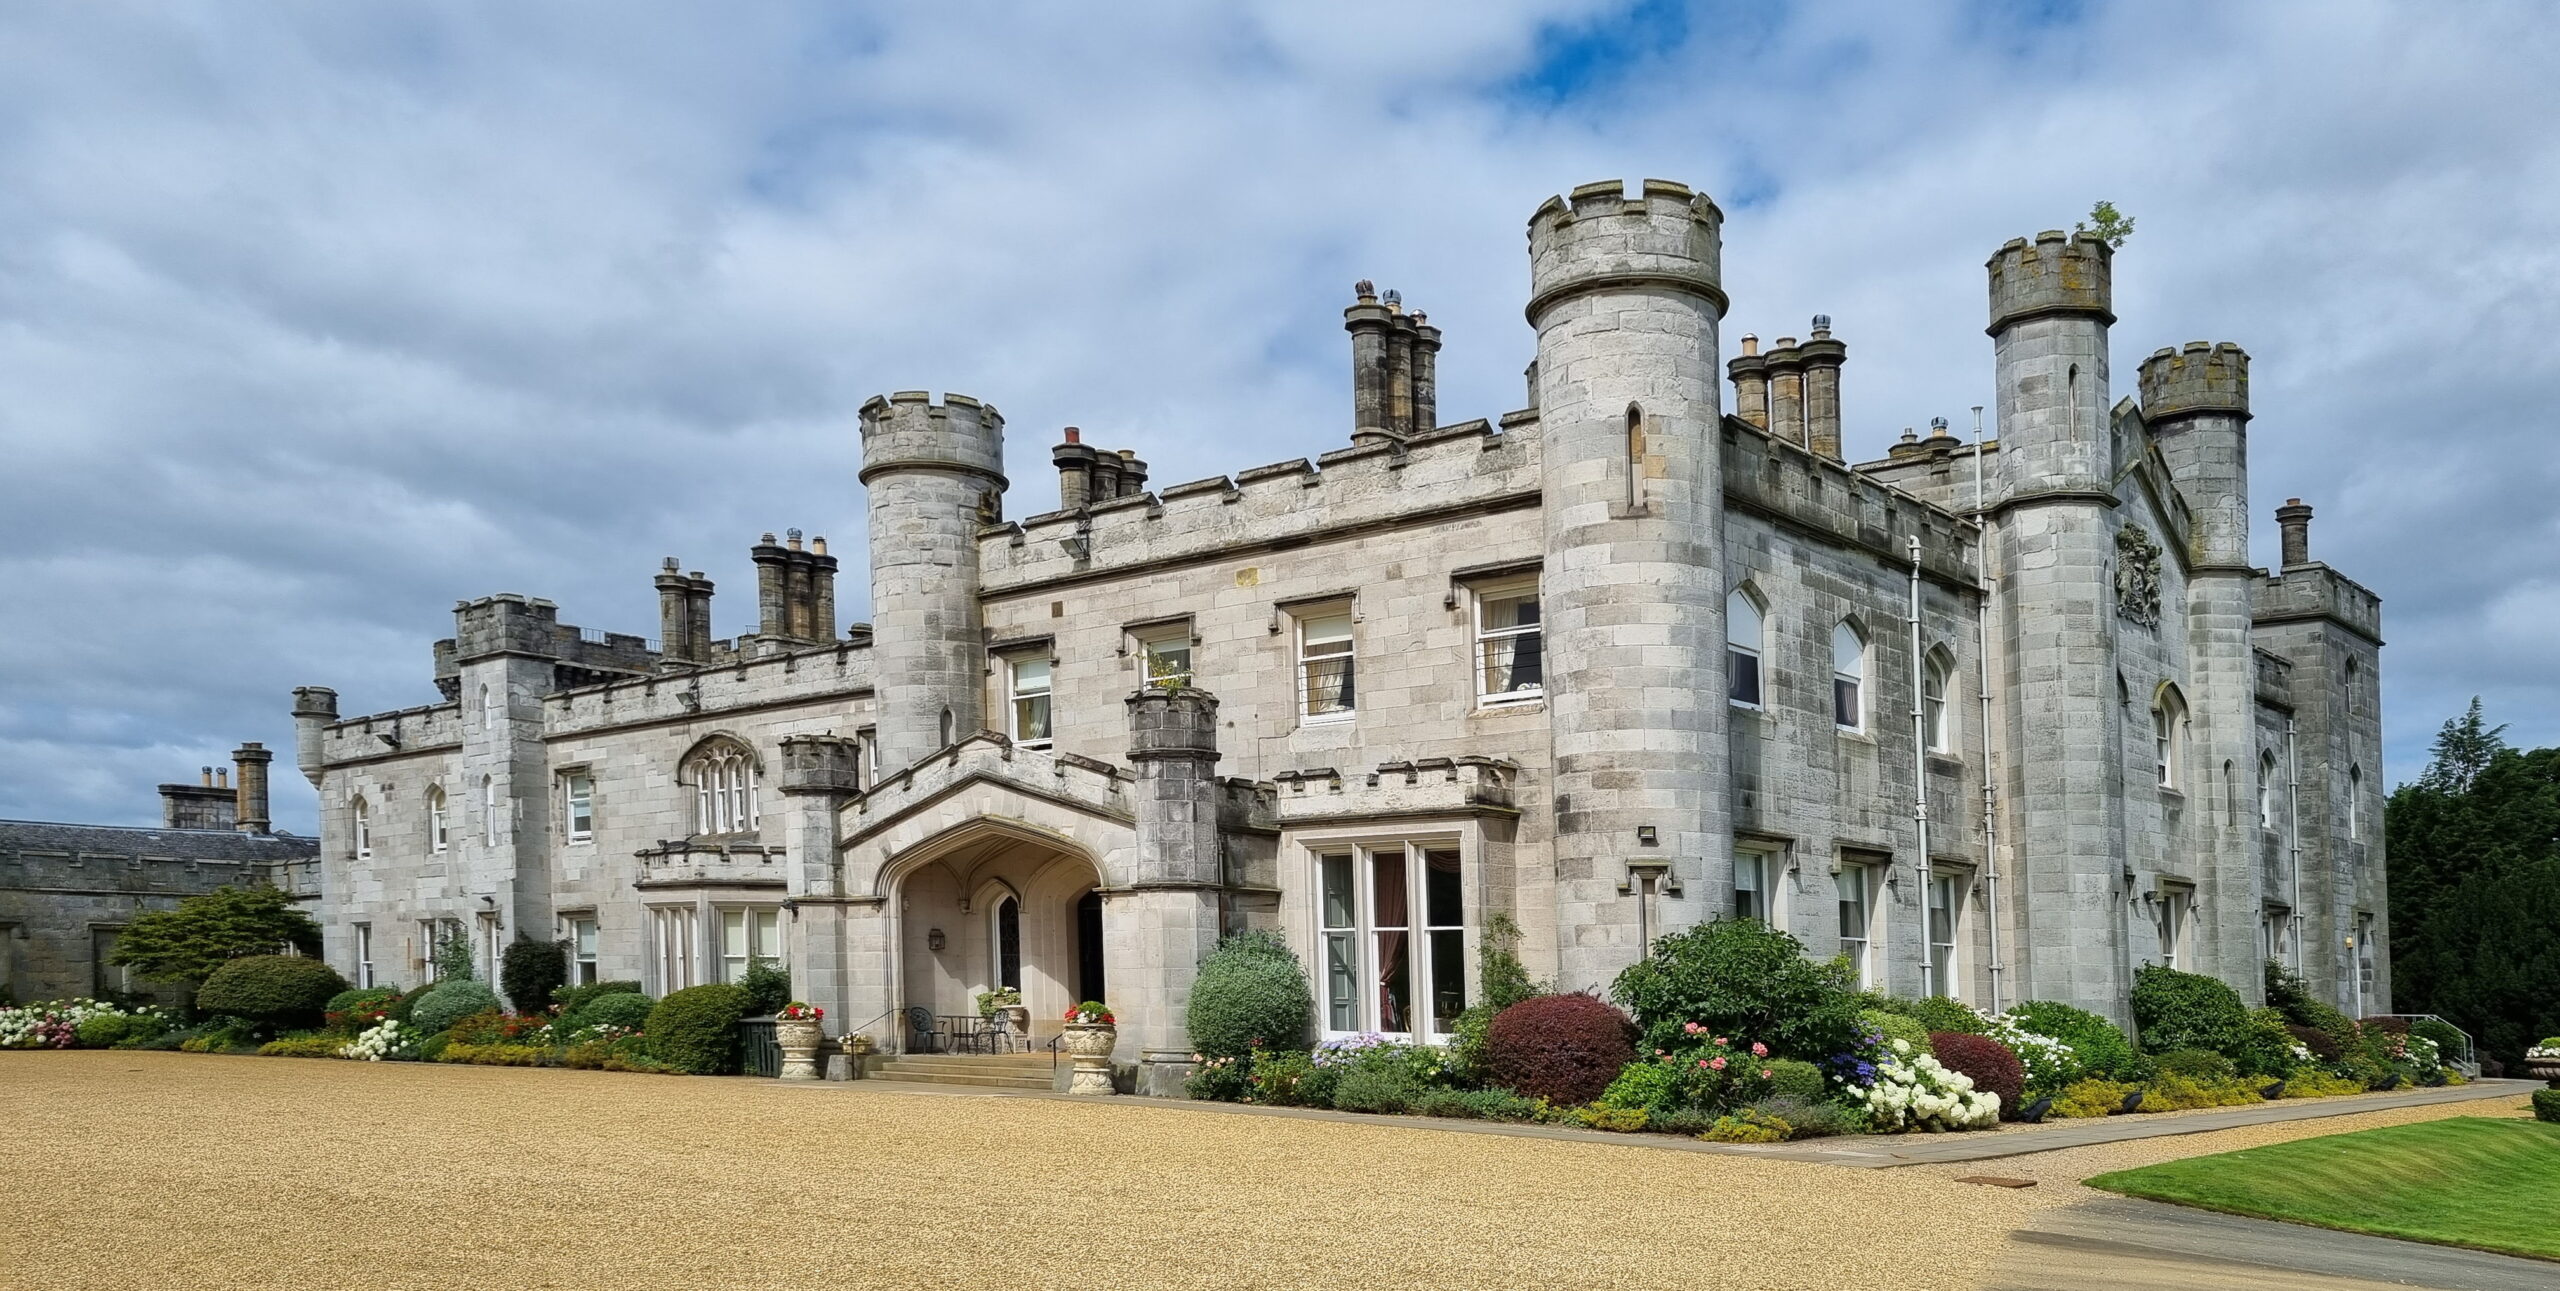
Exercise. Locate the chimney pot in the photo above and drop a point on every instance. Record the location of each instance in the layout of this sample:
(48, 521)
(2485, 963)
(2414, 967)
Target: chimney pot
(1750, 344)
(1074, 436)
(818, 545)
(222, 779)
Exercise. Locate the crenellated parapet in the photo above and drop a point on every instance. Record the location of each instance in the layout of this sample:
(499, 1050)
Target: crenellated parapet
(909, 430)
(2317, 593)
(838, 671)
(2200, 378)
(1599, 238)
(1452, 471)
(1791, 484)
(2057, 274)
(1423, 787)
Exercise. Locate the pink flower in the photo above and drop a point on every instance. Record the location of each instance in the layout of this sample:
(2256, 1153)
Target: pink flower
(1759, 1050)
(1717, 1063)
(1720, 1042)
(1764, 1073)
(1691, 1027)
(1703, 1062)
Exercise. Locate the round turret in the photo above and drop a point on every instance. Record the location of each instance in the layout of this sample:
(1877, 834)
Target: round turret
(1601, 238)
(908, 429)
(2057, 274)
(933, 472)
(2201, 378)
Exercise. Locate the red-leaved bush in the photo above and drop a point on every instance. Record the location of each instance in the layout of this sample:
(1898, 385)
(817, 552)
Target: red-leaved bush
(2322, 1045)
(1994, 1066)
(1562, 1048)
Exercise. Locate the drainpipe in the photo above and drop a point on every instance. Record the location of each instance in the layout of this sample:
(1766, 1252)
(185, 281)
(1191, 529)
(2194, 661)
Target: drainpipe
(1982, 690)
(1920, 763)
(2293, 840)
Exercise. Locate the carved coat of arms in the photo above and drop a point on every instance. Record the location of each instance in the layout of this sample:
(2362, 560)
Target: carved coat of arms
(2137, 576)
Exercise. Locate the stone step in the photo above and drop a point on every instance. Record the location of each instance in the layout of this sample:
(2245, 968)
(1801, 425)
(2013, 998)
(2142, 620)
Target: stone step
(973, 1080)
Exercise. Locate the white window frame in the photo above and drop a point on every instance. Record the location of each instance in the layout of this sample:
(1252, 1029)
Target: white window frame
(364, 955)
(439, 821)
(1746, 652)
(578, 805)
(1027, 692)
(1488, 639)
(1346, 648)
(1757, 870)
(675, 943)
(1158, 647)
(493, 944)
(363, 828)
(1363, 935)
(1853, 676)
(427, 937)
(2173, 918)
(2267, 791)
(748, 933)
(583, 960)
(724, 789)
(1938, 715)
(1860, 877)
(1946, 954)
(2169, 737)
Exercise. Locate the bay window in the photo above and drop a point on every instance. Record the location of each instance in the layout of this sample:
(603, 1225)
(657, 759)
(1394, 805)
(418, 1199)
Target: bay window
(1391, 919)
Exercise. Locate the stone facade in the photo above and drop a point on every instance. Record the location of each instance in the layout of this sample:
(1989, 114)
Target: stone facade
(66, 891)
(1608, 665)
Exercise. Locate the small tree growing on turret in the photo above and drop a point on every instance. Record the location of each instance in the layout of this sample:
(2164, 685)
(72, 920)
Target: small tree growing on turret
(2106, 224)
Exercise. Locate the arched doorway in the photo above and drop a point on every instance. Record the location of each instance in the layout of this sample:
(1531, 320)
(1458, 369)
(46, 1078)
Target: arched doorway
(993, 906)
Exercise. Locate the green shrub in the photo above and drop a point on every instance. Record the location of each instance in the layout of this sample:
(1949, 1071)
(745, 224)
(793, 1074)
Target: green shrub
(1797, 1079)
(2450, 1042)
(1592, 1116)
(2311, 1082)
(359, 995)
(1505, 979)
(2085, 1098)
(2098, 1049)
(273, 991)
(453, 958)
(1740, 977)
(1217, 1080)
(303, 1046)
(1943, 1013)
(1379, 1088)
(1251, 991)
(1649, 1084)
(1289, 1078)
(1895, 1026)
(2175, 1010)
(1810, 1118)
(491, 1055)
(768, 987)
(352, 1012)
(2195, 1064)
(167, 1041)
(432, 1048)
(570, 999)
(2546, 1105)
(531, 971)
(1748, 1126)
(1475, 1105)
(2266, 1047)
(2171, 1092)
(449, 1002)
(620, 1009)
(107, 1030)
(404, 1009)
(222, 1035)
(695, 1030)
(1467, 1044)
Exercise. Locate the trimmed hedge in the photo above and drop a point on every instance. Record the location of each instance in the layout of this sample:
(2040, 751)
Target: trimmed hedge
(531, 971)
(571, 999)
(282, 992)
(1895, 1026)
(449, 1002)
(1797, 1079)
(695, 1030)
(1251, 991)
(1994, 1066)
(621, 1009)
(1942, 1013)
(2196, 1064)
(2175, 1010)
(1562, 1048)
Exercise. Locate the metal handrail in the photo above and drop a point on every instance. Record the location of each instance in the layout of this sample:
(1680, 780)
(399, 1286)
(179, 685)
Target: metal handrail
(2469, 1051)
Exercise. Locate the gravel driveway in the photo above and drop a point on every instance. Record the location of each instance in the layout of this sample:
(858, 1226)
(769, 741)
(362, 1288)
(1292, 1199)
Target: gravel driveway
(148, 1170)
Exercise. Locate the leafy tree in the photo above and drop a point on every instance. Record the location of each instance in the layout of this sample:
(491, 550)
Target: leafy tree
(205, 932)
(2107, 224)
(2474, 846)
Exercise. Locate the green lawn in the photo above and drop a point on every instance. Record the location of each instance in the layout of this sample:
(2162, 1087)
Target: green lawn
(2466, 1181)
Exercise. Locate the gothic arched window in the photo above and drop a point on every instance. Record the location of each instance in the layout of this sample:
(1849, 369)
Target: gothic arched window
(723, 775)
(2168, 736)
(439, 834)
(364, 828)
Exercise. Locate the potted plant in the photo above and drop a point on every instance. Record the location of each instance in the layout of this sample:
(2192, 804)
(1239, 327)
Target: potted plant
(1091, 1034)
(1006, 1000)
(2542, 1062)
(800, 1028)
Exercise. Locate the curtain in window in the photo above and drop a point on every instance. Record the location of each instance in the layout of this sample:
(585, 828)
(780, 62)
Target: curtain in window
(1394, 923)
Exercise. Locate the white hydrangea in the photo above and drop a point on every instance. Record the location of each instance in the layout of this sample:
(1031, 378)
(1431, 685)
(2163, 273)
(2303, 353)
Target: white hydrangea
(386, 1039)
(1921, 1093)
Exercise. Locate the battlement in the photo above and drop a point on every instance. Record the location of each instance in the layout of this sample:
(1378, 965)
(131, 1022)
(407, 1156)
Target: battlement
(839, 670)
(2058, 273)
(2317, 593)
(908, 430)
(1451, 470)
(1795, 486)
(1668, 235)
(524, 625)
(399, 733)
(2200, 378)
(1464, 786)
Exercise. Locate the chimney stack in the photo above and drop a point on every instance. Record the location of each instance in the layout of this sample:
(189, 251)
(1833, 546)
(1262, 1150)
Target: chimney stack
(1426, 375)
(773, 610)
(250, 812)
(1075, 471)
(1750, 373)
(1368, 321)
(2294, 518)
(1822, 357)
(1106, 475)
(1133, 473)
(1399, 367)
(822, 591)
(675, 614)
(198, 806)
(799, 596)
(1786, 391)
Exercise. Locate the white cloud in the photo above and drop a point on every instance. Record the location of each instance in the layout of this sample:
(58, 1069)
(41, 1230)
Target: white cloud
(316, 319)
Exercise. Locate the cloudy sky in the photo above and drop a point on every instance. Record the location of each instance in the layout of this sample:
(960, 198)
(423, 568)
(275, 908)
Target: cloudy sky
(315, 317)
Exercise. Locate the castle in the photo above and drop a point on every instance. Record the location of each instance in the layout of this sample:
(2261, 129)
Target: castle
(2002, 722)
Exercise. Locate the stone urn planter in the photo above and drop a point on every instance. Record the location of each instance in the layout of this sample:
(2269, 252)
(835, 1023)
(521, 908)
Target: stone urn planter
(799, 1030)
(2543, 1069)
(1017, 1017)
(1090, 1044)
